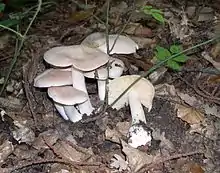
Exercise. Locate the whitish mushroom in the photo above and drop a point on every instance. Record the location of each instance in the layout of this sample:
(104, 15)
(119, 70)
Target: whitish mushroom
(57, 77)
(123, 45)
(142, 93)
(101, 74)
(80, 61)
(68, 96)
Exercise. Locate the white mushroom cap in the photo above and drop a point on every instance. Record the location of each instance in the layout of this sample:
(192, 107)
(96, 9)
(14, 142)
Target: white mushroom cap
(53, 77)
(65, 56)
(67, 95)
(143, 87)
(123, 45)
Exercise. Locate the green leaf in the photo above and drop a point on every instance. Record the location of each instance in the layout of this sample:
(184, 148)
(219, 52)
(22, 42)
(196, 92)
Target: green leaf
(162, 53)
(2, 7)
(173, 65)
(156, 11)
(181, 58)
(147, 7)
(9, 22)
(158, 17)
(147, 12)
(175, 49)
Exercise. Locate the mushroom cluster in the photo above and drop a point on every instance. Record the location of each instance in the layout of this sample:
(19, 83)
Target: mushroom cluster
(67, 88)
(71, 64)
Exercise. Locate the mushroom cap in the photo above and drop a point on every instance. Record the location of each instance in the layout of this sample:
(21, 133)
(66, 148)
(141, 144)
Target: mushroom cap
(67, 95)
(76, 56)
(115, 70)
(123, 45)
(143, 88)
(53, 77)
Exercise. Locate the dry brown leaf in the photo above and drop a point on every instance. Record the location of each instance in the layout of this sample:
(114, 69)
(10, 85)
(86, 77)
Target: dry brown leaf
(184, 166)
(190, 100)
(214, 79)
(46, 138)
(6, 149)
(136, 158)
(116, 134)
(211, 110)
(68, 152)
(81, 15)
(211, 60)
(190, 115)
(215, 51)
(138, 30)
(165, 90)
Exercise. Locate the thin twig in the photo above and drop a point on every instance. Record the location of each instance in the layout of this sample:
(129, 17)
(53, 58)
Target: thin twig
(12, 30)
(17, 51)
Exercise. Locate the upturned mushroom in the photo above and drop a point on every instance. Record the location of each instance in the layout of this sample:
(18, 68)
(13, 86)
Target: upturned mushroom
(115, 69)
(142, 93)
(123, 44)
(80, 61)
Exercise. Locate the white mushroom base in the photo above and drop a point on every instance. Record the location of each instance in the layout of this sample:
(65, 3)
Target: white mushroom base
(138, 136)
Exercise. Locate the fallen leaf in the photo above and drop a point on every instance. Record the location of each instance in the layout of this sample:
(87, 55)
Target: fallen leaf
(115, 135)
(66, 151)
(211, 60)
(211, 110)
(165, 90)
(190, 100)
(81, 15)
(6, 148)
(215, 51)
(136, 158)
(190, 115)
(46, 138)
(164, 142)
(138, 30)
(214, 79)
(119, 163)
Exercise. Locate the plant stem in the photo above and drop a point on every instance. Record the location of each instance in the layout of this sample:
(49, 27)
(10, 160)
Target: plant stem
(20, 45)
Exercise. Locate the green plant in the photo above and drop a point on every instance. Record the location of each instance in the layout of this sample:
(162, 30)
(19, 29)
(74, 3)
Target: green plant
(155, 13)
(175, 63)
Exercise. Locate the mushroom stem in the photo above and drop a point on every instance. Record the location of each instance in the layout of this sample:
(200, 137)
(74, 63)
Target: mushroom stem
(137, 111)
(72, 113)
(101, 89)
(79, 83)
(61, 110)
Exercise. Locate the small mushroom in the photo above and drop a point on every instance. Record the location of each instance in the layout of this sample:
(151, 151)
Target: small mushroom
(80, 61)
(68, 96)
(57, 77)
(101, 74)
(142, 93)
(123, 45)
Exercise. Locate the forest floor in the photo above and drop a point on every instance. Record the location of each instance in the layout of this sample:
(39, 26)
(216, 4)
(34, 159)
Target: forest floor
(184, 119)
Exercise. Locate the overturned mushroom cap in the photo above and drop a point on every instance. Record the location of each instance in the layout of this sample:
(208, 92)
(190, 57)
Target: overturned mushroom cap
(65, 56)
(67, 95)
(123, 45)
(143, 88)
(53, 77)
